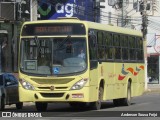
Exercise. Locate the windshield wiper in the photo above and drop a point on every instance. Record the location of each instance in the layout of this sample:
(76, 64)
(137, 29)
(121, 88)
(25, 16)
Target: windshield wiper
(38, 45)
(64, 40)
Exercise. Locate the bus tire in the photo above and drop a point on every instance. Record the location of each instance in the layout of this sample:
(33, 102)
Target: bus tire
(127, 101)
(74, 105)
(19, 105)
(78, 105)
(41, 106)
(2, 103)
(97, 105)
(117, 102)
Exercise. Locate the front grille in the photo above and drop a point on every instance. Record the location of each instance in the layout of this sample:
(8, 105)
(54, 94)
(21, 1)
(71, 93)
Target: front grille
(52, 94)
(49, 88)
(61, 88)
(52, 80)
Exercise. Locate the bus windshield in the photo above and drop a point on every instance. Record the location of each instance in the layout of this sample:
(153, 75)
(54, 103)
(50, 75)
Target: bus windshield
(53, 56)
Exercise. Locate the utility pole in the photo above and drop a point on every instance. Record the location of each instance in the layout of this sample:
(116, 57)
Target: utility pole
(144, 31)
(97, 6)
(122, 21)
(33, 10)
(144, 20)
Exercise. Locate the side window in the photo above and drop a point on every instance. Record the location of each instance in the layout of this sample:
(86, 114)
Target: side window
(92, 47)
(117, 46)
(109, 45)
(124, 45)
(10, 80)
(101, 46)
(92, 51)
(132, 48)
(139, 48)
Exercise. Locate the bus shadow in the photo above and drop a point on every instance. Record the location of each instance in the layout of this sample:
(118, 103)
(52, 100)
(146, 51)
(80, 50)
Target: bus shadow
(109, 105)
(68, 108)
(61, 108)
(82, 112)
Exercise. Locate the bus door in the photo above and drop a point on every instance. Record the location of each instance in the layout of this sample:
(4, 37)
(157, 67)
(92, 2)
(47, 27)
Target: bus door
(93, 66)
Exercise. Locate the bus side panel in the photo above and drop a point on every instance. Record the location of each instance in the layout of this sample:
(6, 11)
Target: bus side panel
(120, 80)
(109, 75)
(139, 86)
(104, 71)
(93, 92)
(126, 72)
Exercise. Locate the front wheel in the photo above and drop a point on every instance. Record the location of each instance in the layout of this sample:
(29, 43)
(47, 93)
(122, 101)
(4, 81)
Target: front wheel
(41, 106)
(127, 101)
(19, 105)
(97, 105)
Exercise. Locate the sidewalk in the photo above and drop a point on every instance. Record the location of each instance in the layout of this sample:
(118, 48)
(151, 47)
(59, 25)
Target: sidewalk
(153, 88)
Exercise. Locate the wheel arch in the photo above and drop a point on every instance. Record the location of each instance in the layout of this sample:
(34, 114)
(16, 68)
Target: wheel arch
(130, 82)
(102, 84)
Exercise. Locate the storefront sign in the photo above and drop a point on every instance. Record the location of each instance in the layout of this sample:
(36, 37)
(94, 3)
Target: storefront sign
(82, 9)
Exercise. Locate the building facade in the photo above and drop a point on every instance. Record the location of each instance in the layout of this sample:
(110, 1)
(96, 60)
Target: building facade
(11, 18)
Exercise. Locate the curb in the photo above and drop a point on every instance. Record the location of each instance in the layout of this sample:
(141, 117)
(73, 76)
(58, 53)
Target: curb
(152, 90)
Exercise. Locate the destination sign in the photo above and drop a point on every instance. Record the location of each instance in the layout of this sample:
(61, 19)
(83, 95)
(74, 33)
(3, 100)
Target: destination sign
(53, 29)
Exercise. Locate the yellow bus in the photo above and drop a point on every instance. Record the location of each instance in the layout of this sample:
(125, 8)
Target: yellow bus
(79, 62)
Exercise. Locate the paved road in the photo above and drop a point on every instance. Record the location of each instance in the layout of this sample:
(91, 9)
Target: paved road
(148, 102)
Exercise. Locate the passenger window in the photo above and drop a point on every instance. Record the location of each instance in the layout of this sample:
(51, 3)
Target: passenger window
(109, 46)
(117, 46)
(101, 47)
(132, 47)
(124, 45)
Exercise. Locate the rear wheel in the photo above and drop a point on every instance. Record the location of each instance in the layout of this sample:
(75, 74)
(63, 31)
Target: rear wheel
(124, 101)
(117, 102)
(2, 104)
(41, 106)
(127, 101)
(97, 105)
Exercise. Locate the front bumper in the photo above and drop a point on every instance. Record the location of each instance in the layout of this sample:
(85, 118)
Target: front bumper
(54, 96)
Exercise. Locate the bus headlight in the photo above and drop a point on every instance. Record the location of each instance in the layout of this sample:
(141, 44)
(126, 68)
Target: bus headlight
(26, 85)
(78, 85)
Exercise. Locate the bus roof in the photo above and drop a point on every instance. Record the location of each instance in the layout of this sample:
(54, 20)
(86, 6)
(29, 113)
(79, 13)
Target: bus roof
(92, 25)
